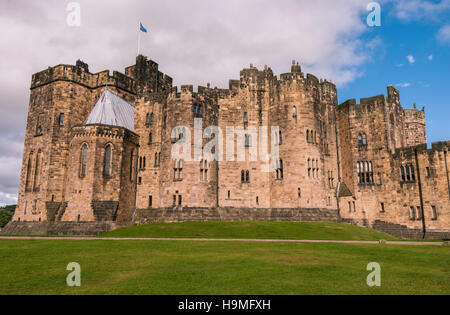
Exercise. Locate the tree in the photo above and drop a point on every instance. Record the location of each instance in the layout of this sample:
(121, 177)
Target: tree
(5, 217)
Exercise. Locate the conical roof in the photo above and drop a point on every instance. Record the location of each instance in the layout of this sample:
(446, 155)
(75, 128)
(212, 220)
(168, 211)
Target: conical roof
(113, 111)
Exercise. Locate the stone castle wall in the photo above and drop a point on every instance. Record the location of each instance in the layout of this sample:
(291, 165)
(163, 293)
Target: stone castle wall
(315, 176)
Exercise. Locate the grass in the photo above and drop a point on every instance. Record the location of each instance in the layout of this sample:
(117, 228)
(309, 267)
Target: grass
(167, 267)
(255, 230)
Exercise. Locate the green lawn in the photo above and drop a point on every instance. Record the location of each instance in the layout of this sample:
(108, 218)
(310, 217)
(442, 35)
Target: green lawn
(256, 230)
(170, 267)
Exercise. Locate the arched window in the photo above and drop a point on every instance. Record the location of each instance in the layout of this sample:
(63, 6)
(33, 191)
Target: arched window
(150, 138)
(132, 164)
(37, 171)
(307, 136)
(247, 176)
(294, 112)
(364, 139)
(156, 159)
(299, 192)
(402, 172)
(152, 118)
(83, 160)
(360, 141)
(245, 118)
(107, 161)
(243, 176)
(147, 120)
(28, 179)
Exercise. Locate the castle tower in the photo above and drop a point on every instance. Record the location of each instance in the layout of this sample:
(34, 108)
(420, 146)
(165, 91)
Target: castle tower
(102, 164)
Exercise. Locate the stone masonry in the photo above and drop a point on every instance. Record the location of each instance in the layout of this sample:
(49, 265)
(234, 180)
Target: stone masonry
(364, 163)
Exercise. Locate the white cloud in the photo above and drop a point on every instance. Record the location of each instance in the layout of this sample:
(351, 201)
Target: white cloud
(412, 10)
(430, 57)
(403, 85)
(411, 59)
(444, 34)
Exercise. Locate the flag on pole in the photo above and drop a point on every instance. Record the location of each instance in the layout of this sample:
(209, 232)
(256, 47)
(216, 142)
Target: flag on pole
(142, 28)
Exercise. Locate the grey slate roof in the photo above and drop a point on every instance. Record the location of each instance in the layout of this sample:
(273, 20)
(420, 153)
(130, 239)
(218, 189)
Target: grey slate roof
(113, 111)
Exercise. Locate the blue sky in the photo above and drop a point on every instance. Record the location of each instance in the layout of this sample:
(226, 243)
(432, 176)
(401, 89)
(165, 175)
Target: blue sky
(426, 81)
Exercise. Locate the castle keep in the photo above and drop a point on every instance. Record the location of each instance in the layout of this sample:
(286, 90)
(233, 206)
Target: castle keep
(98, 154)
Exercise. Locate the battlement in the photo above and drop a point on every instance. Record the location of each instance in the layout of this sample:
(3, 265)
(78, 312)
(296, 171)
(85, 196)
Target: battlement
(104, 131)
(80, 74)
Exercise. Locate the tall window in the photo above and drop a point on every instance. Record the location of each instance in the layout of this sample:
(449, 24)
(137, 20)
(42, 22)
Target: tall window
(37, 171)
(365, 172)
(245, 118)
(178, 170)
(28, 179)
(362, 140)
(204, 170)
(245, 176)
(412, 213)
(83, 160)
(107, 161)
(280, 171)
(197, 111)
(408, 173)
(307, 136)
(132, 165)
(150, 138)
(294, 112)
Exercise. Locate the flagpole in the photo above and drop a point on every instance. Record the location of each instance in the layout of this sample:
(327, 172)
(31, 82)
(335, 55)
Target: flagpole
(139, 39)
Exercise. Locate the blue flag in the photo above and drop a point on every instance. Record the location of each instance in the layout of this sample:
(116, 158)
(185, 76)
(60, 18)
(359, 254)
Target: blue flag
(143, 29)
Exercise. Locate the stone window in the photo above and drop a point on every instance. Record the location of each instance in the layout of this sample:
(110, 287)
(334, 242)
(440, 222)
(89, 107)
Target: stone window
(354, 206)
(412, 213)
(174, 200)
(132, 164)
(61, 120)
(248, 141)
(204, 170)
(257, 200)
(280, 171)
(280, 138)
(229, 194)
(307, 136)
(150, 201)
(383, 210)
(37, 171)
(330, 179)
(139, 180)
(180, 200)
(434, 214)
(365, 173)
(38, 130)
(197, 109)
(150, 138)
(245, 118)
(107, 162)
(379, 179)
(178, 170)
(28, 178)
(428, 172)
(419, 213)
(294, 112)
(245, 176)
(407, 173)
(83, 160)
(299, 193)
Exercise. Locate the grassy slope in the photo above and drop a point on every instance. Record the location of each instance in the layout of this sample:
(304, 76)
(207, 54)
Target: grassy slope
(256, 230)
(136, 267)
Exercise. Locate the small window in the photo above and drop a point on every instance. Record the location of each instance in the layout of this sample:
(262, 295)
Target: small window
(257, 201)
(434, 213)
(294, 112)
(299, 193)
(150, 138)
(83, 161)
(245, 118)
(379, 179)
(229, 194)
(383, 210)
(180, 200)
(61, 120)
(140, 180)
(419, 213)
(412, 214)
(174, 200)
(428, 172)
(150, 201)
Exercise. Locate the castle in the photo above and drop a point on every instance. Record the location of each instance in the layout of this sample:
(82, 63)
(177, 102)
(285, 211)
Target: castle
(99, 154)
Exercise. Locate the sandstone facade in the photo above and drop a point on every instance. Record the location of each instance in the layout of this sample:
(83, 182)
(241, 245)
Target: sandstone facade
(364, 163)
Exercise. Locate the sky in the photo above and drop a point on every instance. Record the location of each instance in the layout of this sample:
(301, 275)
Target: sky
(210, 41)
